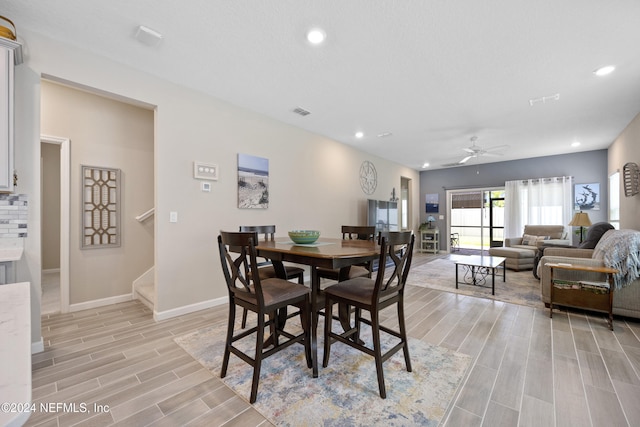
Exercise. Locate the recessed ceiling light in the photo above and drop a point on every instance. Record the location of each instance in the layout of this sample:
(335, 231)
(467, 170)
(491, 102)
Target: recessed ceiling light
(316, 36)
(603, 71)
(426, 165)
(359, 135)
(575, 144)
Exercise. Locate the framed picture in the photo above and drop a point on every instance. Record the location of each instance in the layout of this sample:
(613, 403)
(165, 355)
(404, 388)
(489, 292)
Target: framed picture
(587, 197)
(253, 182)
(100, 207)
(432, 203)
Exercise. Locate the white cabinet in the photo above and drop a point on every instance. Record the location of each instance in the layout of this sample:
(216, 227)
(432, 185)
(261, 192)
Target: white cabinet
(430, 240)
(10, 56)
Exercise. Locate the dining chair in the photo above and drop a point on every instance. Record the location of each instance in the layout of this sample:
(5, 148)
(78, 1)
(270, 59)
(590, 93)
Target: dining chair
(263, 297)
(373, 295)
(267, 269)
(352, 232)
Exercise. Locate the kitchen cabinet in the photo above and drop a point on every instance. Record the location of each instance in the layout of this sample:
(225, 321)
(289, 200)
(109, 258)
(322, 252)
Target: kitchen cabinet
(10, 56)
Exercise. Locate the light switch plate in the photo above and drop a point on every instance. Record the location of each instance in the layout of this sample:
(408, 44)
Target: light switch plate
(205, 171)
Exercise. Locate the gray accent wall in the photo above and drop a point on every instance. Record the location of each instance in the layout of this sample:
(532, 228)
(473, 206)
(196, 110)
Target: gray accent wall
(586, 167)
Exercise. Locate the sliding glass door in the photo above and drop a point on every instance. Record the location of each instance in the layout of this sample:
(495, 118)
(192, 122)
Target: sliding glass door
(477, 216)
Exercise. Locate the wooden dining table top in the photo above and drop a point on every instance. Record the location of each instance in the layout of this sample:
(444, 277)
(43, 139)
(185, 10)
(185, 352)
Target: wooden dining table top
(325, 252)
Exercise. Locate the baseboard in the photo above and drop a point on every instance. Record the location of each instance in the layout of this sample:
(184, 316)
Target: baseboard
(100, 302)
(51, 270)
(186, 309)
(38, 346)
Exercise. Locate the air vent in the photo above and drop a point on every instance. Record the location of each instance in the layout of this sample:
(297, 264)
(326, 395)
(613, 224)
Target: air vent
(544, 99)
(301, 111)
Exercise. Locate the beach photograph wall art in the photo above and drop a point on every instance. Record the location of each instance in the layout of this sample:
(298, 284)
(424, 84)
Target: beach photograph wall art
(253, 182)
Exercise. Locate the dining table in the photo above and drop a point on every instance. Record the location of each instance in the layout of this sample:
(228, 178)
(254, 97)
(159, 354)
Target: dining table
(330, 253)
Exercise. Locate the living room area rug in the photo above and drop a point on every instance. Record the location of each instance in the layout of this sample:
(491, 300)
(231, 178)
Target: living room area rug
(520, 286)
(346, 392)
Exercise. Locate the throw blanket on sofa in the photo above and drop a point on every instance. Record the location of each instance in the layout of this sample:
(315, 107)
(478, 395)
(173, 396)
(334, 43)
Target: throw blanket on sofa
(622, 252)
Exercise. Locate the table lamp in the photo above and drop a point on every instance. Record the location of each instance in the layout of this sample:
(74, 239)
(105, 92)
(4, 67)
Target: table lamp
(580, 219)
(431, 220)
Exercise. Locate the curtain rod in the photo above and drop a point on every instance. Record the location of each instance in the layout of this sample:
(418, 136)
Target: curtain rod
(534, 180)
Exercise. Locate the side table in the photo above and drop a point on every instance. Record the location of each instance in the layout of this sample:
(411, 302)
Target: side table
(589, 295)
(429, 240)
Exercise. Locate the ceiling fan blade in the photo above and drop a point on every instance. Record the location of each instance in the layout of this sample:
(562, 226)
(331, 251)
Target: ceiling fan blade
(448, 165)
(469, 150)
(465, 160)
(488, 154)
(497, 148)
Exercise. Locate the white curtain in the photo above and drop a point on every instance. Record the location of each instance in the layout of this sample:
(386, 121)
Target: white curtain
(540, 201)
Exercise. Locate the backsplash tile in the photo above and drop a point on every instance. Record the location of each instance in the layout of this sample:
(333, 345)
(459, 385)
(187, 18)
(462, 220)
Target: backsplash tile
(13, 215)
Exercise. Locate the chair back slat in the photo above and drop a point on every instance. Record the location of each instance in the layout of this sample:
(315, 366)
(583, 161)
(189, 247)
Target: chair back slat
(358, 232)
(398, 246)
(239, 263)
(269, 231)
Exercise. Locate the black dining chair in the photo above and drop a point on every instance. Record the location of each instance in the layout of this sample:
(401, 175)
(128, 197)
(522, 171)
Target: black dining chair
(268, 269)
(373, 295)
(352, 232)
(263, 297)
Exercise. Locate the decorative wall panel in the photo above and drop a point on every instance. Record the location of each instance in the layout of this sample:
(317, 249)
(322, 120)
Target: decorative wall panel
(101, 207)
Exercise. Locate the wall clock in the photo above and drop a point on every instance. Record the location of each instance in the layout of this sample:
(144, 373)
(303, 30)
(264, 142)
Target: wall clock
(368, 177)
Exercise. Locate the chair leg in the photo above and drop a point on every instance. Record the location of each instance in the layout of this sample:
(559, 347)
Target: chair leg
(375, 329)
(403, 334)
(301, 278)
(305, 320)
(244, 318)
(257, 363)
(227, 346)
(328, 317)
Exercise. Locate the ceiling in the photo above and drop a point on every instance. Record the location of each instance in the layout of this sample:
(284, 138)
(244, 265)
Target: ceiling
(432, 74)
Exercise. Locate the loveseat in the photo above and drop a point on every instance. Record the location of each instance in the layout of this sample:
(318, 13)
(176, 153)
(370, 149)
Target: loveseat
(521, 251)
(618, 249)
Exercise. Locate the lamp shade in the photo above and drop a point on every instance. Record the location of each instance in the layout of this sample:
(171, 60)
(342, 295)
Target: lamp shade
(430, 218)
(580, 219)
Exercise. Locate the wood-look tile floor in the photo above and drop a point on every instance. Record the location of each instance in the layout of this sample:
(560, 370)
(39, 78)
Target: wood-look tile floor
(528, 370)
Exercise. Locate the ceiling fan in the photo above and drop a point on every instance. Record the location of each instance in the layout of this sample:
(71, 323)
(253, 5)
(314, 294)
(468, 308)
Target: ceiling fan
(475, 151)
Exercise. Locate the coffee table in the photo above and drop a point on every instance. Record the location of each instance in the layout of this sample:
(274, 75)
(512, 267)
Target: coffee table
(478, 268)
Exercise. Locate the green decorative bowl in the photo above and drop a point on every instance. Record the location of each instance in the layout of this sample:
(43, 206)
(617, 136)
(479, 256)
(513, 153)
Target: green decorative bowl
(304, 236)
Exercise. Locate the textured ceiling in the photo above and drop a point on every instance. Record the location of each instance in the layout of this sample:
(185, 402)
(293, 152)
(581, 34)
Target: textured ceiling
(432, 73)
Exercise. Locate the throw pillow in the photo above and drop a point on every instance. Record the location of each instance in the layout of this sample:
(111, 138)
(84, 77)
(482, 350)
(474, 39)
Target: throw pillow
(594, 233)
(530, 240)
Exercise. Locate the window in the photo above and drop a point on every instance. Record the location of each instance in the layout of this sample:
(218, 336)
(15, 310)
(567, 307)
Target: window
(614, 199)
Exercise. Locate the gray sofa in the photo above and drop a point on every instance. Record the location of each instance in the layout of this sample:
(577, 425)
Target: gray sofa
(626, 300)
(521, 251)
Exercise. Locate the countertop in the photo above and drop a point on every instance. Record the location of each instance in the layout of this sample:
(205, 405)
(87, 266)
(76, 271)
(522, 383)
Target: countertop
(15, 352)
(13, 253)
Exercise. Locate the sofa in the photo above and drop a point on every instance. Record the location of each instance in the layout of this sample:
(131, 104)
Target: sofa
(521, 251)
(618, 249)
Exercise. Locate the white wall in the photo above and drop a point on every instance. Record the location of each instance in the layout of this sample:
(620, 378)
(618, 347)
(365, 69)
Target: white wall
(313, 180)
(626, 148)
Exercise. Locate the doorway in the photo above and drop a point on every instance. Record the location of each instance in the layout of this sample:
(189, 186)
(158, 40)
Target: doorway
(405, 204)
(54, 184)
(477, 216)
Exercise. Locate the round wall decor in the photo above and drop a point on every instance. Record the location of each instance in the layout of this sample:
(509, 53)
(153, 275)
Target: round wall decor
(368, 177)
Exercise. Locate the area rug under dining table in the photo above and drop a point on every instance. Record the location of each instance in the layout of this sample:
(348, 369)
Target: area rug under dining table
(346, 392)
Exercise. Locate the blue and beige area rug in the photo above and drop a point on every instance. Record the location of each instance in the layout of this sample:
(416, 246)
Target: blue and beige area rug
(520, 287)
(346, 392)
